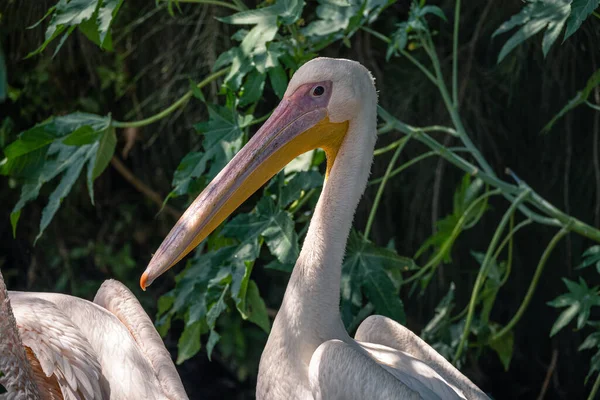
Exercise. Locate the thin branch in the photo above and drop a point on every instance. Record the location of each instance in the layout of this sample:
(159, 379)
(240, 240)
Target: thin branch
(179, 103)
(483, 271)
(382, 187)
(455, 53)
(142, 187)
(549, 374)
(534, 282)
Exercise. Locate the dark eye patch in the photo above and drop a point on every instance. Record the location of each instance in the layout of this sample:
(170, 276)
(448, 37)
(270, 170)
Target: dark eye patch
(318, 91)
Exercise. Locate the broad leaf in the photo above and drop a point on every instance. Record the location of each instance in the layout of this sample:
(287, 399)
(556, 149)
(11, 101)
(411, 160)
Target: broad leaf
(580, 10)
(368, 270)
(300, 183)
(591, 257)
(189, 342)
(504, 348)
(274, 224)
(579, 301)
(536, 16)
(223, 137)
(257, 310)
(59, 146)
(94, 18)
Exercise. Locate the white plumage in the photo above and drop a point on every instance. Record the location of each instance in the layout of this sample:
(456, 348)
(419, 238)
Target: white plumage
(332, 104)
(60, 346)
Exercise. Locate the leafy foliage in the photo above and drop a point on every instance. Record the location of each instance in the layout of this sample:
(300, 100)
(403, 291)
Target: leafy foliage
(410, 29)
(375, 273)
(536, 16)
(215, 299)
(468, 208)
(591, 257)
(60, 145)
(579, 301)
(93, 17)
(551, 15)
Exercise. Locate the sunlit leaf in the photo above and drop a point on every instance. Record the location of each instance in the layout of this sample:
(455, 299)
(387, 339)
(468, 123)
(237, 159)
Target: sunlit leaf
(94, 18)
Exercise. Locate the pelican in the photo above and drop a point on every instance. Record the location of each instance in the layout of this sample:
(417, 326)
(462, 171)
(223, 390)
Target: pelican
(331, 104)
(54, 346)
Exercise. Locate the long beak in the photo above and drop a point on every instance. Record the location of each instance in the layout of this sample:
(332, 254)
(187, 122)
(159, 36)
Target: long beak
(293, 129)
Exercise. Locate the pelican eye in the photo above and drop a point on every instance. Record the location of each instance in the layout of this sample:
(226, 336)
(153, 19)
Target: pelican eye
(318, 91)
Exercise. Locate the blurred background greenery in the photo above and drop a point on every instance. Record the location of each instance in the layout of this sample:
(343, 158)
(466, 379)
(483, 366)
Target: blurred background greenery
(154, 53)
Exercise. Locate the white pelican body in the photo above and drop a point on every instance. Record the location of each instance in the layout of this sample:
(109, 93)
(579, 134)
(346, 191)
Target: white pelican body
(330, 104)
(62, 347)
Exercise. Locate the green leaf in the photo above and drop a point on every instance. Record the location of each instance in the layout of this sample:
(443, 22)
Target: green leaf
(278, 79)
(369, 269)
(441, 320)
(580, 10)
(593, 340)
(107, 12)
(504, 348)
(256, 308)
(216, 309)
(223, 137)
(252, 89)
(591, 257)
(579, 99)
(300, 183)
(536, 16)
(275, 225)
(579, 300)
(93, 17)
(213, 339)
(59, 146)
(189, 343)
(287, 11)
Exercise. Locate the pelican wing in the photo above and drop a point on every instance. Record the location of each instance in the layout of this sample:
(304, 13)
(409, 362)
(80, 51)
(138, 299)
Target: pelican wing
(118, 299)
(387, 332)
(59, 347)
(340, 370)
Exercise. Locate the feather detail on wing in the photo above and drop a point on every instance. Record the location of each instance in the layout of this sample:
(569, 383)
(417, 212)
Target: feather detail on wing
(119, 300)
(339, 370)
(58, 346)
(17, 375)
(387, 332)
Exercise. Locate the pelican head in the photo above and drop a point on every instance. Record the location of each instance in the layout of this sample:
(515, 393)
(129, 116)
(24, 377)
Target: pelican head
(323, 98)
